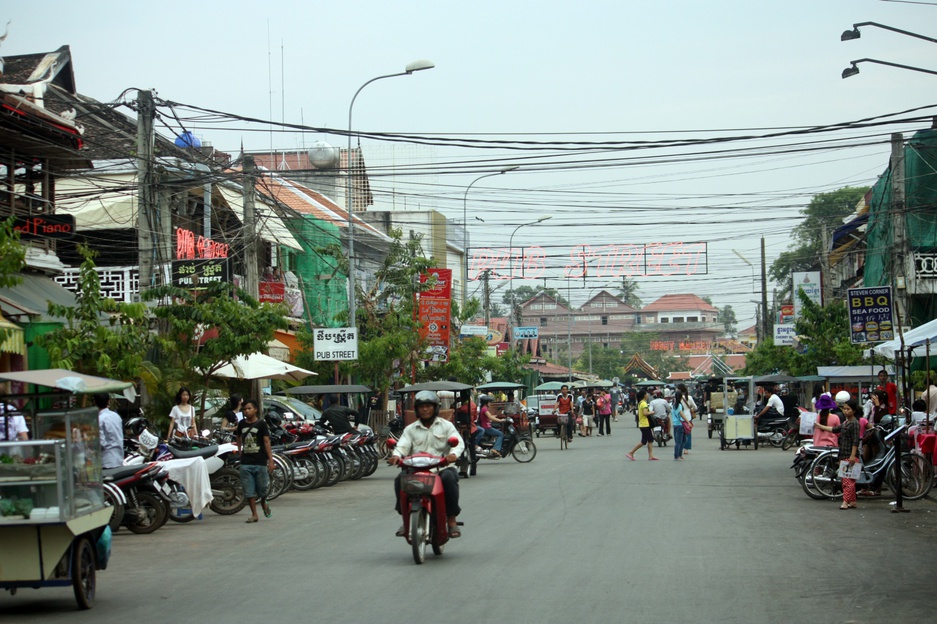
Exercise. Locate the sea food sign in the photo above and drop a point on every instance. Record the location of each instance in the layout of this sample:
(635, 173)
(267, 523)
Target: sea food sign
(870, 314)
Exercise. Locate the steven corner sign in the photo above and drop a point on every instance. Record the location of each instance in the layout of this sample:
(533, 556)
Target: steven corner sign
(335, 344)
(870, 314)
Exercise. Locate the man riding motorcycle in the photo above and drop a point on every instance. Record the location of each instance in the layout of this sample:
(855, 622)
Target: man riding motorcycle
(430, 434)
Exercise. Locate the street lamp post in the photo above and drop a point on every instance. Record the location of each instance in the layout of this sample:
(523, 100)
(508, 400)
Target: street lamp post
(352, 303)
(853, 70)
(849, 35)
(465, 228)
(511, 272)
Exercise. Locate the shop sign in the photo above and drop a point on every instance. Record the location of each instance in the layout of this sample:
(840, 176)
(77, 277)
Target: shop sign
(784, 335)
(808, 283)
(525, 333)
(198, 274)
(271, 292)
(189, 246)
(473, 330)
(435, 314)
(336, 344)
(45, 226)
(870, 314)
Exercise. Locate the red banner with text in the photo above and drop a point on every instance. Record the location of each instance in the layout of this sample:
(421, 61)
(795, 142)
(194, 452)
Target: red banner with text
(435, 314)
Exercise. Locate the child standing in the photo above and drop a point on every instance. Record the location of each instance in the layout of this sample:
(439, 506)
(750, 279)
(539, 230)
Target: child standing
(848, 448)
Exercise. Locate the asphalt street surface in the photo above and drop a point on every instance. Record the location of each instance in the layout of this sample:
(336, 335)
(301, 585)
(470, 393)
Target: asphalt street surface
(580, 535)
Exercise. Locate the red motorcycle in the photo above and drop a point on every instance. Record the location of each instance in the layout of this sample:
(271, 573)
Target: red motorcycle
(423, 502)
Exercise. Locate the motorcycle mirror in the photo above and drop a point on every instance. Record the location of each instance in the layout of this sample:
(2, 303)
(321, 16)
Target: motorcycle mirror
(453, 441)
(391, 442)
(205, 433)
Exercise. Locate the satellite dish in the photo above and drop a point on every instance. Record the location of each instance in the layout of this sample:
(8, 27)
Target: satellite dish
(323, 156)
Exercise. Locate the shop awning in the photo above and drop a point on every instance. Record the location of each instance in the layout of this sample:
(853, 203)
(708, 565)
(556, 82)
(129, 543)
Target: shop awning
(15, 341)
(30, 298)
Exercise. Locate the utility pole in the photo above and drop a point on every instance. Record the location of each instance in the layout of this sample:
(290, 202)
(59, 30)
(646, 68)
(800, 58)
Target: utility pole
(249, 233)
(486, 293)
(826, 279)
(765, 326)
(249, 239)
(146, 182)
(899, 244)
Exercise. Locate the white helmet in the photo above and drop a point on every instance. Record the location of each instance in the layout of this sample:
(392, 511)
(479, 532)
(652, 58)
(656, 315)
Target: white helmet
(842, 396)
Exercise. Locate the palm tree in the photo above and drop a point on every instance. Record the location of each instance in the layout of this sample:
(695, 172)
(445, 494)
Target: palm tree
(629, 293)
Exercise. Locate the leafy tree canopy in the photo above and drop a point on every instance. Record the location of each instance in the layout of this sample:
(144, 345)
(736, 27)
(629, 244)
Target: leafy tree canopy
(100, 336)
(827, 209)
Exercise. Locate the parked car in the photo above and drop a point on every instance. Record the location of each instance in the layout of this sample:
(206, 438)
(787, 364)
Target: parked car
(290, 408)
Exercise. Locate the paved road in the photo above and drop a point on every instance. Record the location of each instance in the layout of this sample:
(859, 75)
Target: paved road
(576, 536)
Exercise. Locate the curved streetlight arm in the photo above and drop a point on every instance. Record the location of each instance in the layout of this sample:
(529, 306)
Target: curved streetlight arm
(849, 35)
(465, 225)
(853, 70)
(511, 265)
(352, 303)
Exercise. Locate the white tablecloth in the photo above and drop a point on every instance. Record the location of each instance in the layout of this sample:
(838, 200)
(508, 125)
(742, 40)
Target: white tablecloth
(192, 474)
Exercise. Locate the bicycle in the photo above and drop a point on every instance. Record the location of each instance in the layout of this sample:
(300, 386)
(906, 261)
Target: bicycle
(563, 421)
(917, 474)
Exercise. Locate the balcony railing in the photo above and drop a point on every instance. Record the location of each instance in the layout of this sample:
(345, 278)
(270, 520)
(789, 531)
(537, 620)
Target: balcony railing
(117, 283)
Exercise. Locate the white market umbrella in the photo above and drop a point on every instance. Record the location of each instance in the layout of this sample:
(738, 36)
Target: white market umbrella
(260, 366)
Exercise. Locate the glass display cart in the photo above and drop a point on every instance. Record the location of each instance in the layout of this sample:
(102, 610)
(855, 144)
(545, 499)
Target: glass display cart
(52, 509)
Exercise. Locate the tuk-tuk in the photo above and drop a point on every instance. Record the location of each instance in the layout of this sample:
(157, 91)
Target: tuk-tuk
(544, 401)
(506, 401)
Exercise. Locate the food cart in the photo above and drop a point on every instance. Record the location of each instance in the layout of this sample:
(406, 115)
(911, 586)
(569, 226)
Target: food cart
(738, 419)
(54, 528)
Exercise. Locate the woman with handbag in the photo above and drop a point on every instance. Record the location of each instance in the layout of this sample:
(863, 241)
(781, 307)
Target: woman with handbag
(682, 422)
(647, 438)
(690, 405)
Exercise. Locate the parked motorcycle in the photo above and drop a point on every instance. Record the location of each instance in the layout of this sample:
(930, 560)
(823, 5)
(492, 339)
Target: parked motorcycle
(423, 502)
(145, 505)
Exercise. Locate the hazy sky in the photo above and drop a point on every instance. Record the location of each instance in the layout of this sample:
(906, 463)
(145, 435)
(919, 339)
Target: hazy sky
(538, 71)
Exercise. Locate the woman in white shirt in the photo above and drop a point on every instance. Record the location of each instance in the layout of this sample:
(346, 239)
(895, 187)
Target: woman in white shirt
(182, 416)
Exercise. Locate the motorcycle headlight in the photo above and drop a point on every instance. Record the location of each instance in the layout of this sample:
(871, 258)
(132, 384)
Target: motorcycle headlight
(418, 483)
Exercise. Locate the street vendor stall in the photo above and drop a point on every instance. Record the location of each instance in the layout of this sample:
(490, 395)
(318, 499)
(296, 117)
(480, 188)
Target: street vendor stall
(54, 525)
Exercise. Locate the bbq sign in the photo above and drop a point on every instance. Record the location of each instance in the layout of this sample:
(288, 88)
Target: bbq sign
(870, 314)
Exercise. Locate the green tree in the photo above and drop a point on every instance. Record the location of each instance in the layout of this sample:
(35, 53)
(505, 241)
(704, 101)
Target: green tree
(523, 293)
(823, 335)
(100, 336)
(629, 293)
(827, 209)
(727, 317)
(388, 337)
(12, 260)
(241, 326)
(607, 362)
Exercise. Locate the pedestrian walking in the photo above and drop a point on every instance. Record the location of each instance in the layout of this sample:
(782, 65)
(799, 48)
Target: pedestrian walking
(253, 442)
(604, 406)
(616, 396)
(679, 415)
(690, 405)
(647, 438)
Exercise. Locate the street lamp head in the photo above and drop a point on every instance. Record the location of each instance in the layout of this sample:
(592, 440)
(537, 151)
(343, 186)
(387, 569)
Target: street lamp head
(544, 218)
(849, 35)
(850, 71)
(513, 168)
(416, 66)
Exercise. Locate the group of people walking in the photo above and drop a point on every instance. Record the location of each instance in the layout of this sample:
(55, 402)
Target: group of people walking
(676, 414)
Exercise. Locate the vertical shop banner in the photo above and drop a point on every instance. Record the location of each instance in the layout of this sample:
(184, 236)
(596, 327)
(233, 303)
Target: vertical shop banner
(435, 314)
(870, 314)
(809, 283)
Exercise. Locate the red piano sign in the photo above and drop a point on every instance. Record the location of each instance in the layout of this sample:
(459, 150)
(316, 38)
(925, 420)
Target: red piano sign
(45, 226)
